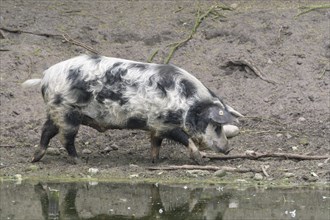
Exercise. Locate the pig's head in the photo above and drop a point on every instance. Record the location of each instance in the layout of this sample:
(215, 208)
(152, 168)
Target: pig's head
(205, 124)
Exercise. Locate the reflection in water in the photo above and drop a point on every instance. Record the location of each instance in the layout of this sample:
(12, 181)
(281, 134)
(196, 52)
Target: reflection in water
(156, 201)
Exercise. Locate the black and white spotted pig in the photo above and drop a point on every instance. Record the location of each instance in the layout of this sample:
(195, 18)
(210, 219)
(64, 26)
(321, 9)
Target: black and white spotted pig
(109, 93)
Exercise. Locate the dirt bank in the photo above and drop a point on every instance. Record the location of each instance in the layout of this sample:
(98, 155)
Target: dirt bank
(290, 116)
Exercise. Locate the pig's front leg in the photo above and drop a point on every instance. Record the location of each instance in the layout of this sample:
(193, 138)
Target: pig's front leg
(194, 153)
(155, 147)
(180, 136)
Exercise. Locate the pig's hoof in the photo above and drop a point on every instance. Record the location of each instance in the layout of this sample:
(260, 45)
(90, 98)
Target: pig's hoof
(75, 160)
(197, 157)
(38, 154)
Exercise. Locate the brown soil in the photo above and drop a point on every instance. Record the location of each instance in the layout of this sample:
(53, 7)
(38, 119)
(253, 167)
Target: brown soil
(290, 116)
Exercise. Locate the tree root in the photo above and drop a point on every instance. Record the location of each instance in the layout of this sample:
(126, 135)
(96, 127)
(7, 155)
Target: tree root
(255, 155)
(249, 67)
(213, 168)
(65, 36)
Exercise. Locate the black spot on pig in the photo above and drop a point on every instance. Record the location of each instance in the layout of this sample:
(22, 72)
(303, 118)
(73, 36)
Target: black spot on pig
(188, 88)
(167, 70)
(139, 66)
(79, 87)
(136, 123)
(198, 116)
(177, 134)
(173, 117)
(96, 58)
(73, 118)
(107, 93)
(114, 74)
(58, 99)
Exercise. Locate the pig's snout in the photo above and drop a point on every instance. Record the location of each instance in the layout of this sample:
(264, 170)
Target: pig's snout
(221, 146)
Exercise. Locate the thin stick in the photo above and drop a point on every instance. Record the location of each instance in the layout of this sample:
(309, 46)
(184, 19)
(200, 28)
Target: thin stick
(75, 42)
(264, 171)
(152, 56)
(197, 167)
(311, 8)
(18, 31)
(249, 67)
(257, 155)
(65, 36)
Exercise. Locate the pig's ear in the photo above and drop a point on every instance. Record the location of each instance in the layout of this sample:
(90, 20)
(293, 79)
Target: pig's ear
(220, 116)
(234, 112)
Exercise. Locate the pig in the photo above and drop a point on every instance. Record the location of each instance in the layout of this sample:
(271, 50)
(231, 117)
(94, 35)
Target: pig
(111, 93)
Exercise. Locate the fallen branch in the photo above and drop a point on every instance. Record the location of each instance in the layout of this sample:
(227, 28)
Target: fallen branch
(255, 155)
(249, 67)
(311, 8)
(213, 168)
(65, 36)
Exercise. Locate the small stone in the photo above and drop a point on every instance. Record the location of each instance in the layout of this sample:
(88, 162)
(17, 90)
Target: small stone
(86, 151)
(114, 146)
(93, 171)
(134, 175)
(53, 151)
(220, 173)
(303, 141)
(320, 164)
(18, 176)
(288, 175)
(311, 98)
(106, 150)
(279, 135)
(294, 148)
(258, 177)
(86, 143)
(314, 174)
(288, 136)
(234, 5)
(32, 168)
(301, 119)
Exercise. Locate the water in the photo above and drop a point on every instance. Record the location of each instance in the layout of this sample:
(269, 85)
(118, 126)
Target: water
(92, 200)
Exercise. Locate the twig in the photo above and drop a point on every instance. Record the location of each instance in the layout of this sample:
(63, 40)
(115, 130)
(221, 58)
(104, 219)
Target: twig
(152, 56)
(198, 20)
(75, 42)
(197, 167)
(269, 132)
(65, 36)
(249, 67)
(311, 8)
(18, 31)
(7, 145)
(256, 155)
(264, 171)
(325, 69)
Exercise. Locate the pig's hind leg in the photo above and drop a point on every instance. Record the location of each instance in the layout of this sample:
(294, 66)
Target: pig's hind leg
(70, 123)
(49, 130)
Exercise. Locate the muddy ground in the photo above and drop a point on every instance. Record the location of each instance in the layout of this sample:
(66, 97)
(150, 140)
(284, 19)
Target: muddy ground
(291, 116)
